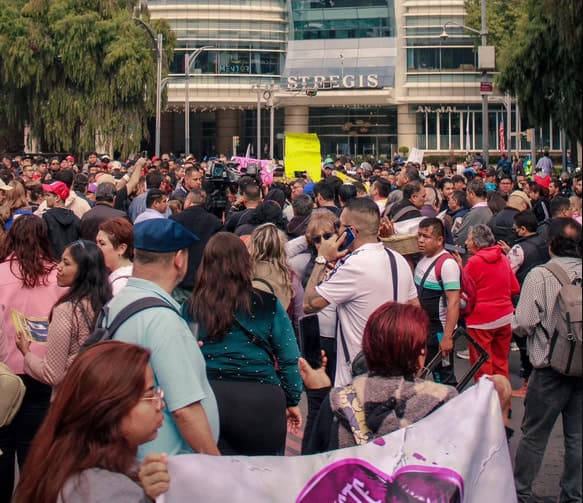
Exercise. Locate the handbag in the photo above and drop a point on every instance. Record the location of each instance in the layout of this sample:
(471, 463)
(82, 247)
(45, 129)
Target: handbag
(12, 391)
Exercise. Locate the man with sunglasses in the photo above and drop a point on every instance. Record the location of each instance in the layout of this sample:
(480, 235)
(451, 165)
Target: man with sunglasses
(362, 279)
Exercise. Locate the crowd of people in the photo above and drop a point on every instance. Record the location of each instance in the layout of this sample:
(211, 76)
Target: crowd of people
(154, 306)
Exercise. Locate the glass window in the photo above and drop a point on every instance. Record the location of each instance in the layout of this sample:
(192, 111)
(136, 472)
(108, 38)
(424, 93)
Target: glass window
(444, 131)
(432, 131)
(455, 132)
(343, 19)
(234, 62)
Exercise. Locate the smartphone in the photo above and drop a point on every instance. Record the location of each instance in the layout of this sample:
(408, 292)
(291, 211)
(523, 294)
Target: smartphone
(350, 237)
(455, 248)
(145, 154)
(309, 328)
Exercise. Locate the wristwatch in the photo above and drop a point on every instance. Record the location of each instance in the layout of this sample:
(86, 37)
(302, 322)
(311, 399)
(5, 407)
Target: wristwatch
(320, 259)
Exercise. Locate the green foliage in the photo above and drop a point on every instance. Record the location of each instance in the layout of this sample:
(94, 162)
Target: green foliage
(79, 71)
(543, 64)
(501, 19)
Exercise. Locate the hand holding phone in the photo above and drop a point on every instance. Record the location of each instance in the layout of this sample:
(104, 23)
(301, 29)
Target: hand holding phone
(348, 239)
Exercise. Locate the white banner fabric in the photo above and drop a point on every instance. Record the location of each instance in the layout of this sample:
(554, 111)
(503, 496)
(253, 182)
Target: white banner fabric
(457, 454)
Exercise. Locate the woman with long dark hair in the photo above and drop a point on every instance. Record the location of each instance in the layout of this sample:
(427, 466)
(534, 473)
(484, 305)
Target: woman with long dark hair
(86, 448)
(28, 290)
(245, 331)
(72, 319)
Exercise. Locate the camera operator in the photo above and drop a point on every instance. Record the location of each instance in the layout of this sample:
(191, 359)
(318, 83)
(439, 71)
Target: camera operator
(243, 210)
(193, 178)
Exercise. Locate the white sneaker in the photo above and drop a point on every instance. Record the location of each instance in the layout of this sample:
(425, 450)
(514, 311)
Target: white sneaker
(514, 346)
(464, 355)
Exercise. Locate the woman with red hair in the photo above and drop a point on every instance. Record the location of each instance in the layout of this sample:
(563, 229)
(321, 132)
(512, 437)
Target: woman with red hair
(390, 395)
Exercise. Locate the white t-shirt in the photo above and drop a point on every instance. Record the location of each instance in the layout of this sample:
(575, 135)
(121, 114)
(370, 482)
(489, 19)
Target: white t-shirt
(119, 278)
(360, 283)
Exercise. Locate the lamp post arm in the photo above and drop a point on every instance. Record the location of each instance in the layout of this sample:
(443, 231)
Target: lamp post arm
(473, 30)
(196, 54)
(149, 29)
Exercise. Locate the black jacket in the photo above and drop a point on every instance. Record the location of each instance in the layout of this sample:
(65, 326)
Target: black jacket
(502, 225)
(536, 252)
(95, 217)
(202, 224)
(63, 227)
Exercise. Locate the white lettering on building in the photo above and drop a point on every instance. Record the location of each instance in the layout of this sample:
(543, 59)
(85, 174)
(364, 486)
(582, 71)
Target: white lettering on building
(347, 81)
(432, 110)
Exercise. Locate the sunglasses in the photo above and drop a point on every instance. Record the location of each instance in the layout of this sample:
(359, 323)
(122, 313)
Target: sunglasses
(318, 239)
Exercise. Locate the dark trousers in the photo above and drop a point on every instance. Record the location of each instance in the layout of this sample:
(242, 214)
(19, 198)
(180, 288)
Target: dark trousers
(441, 374)
(252, 418)
(328, 344)
(548, 395)
(525, 365)
(16, 438)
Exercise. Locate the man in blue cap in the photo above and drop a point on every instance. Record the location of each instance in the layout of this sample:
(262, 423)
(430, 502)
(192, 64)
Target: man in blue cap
(191, 422)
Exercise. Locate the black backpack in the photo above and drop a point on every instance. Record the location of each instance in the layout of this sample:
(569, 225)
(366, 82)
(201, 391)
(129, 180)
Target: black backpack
(105, 333)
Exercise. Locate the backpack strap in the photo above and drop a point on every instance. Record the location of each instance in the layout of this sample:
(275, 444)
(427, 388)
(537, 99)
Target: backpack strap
(402, 212)
(265, 284)
(395, 278)
(255, 339)
(558, 272)
(127, 312)
(439, 266)
(431, 266)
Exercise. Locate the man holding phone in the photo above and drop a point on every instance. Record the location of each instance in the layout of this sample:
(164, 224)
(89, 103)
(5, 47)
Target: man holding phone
(361, 280)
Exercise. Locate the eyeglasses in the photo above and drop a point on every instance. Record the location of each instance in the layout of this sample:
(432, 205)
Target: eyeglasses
(157, 397)
(318, 239)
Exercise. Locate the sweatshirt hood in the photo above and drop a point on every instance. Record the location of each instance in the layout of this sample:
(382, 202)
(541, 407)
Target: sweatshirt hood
(63, 216)
(490, 254)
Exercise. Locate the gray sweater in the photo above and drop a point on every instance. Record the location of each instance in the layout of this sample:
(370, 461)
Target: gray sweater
(477, 215)
(101, 486)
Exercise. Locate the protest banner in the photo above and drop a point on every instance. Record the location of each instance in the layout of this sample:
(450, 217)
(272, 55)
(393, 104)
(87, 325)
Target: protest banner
(302, 153)
(457, 454)
(416, 155)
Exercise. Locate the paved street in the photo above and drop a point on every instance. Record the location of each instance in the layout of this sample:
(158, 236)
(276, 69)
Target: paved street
(546, 487)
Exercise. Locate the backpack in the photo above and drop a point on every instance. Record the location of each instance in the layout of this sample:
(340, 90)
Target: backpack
(11, 394)
(468, 290)
(105, 333)
(565, 343)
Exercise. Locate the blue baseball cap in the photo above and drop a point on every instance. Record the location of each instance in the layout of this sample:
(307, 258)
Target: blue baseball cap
(162, 235)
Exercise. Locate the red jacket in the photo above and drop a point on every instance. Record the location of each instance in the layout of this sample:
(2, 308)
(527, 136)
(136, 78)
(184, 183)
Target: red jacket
(495, 284)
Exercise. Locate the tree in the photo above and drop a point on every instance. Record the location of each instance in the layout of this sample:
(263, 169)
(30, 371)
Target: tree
(79, 71)
(544, 65)
(502, 17)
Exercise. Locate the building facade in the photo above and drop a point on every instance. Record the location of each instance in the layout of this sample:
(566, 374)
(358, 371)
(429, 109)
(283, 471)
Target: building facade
(368, 76)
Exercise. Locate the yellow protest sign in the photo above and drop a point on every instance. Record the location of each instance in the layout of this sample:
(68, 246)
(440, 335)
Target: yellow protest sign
(302, 153)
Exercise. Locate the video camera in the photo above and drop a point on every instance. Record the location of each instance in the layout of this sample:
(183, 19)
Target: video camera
(221, 177)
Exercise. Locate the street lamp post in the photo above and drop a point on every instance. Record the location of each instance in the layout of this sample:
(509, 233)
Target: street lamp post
(189, 60)
(158, 39)
(483, 32)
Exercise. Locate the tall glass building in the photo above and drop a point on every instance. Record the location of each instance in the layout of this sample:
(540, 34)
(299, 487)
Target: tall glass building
(368, 76)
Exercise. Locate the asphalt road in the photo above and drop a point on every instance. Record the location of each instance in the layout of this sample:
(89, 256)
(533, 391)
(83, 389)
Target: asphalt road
(546, 487)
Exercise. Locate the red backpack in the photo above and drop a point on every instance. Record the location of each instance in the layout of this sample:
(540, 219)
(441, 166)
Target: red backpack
(468, 291)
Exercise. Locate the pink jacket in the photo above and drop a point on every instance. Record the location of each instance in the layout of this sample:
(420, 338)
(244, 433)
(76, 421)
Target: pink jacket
(25, 310)
(495, 285)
